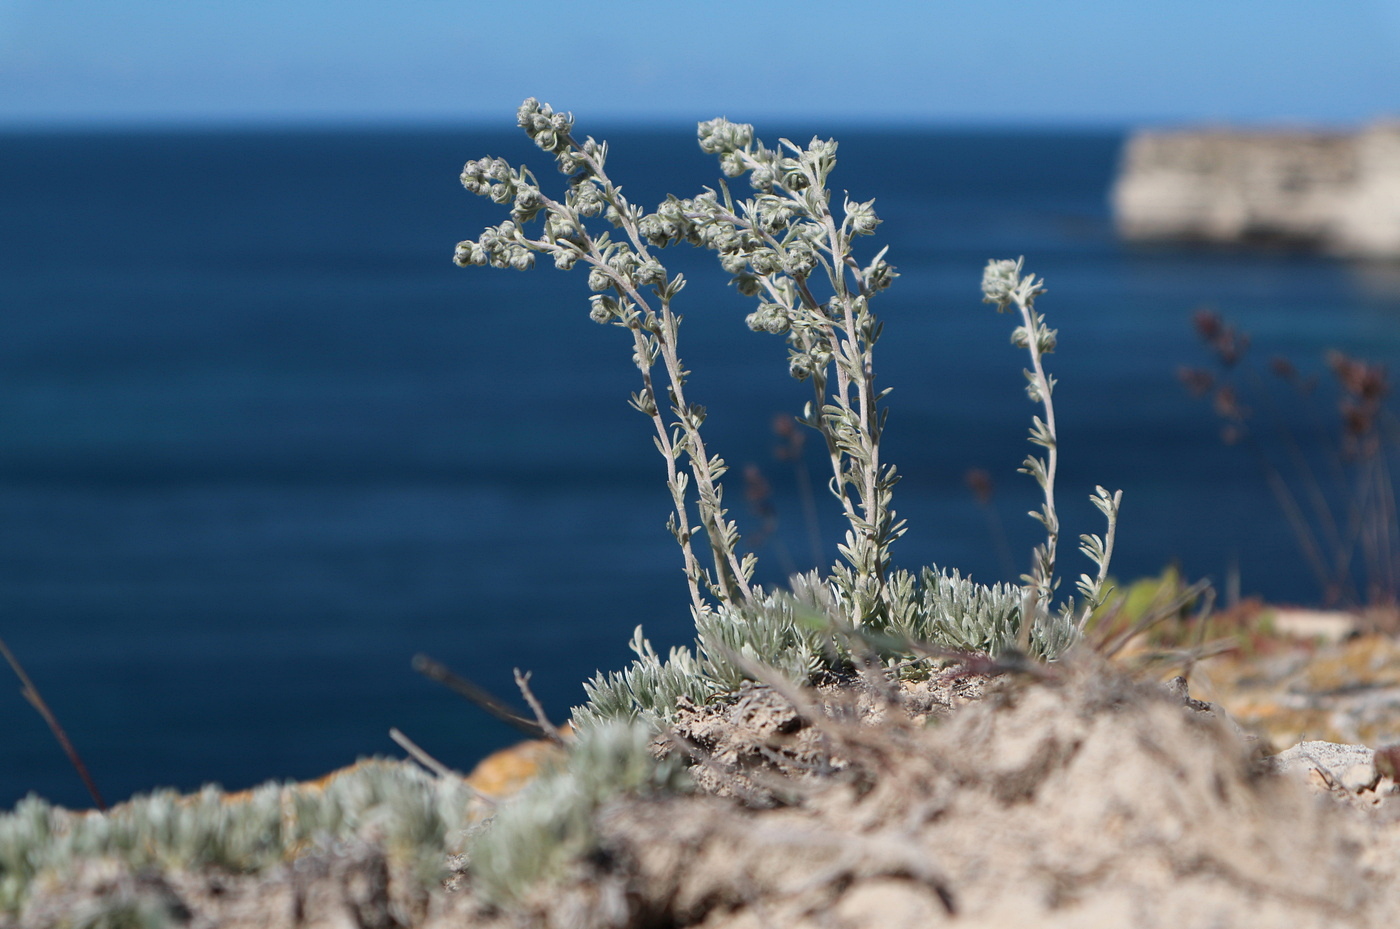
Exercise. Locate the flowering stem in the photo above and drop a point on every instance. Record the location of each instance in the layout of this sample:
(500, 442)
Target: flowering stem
(731, 576)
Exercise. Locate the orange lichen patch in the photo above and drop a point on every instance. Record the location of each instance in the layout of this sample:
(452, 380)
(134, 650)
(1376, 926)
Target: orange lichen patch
(498, 775)
(502, 773)
(316, 785)
(243, 796)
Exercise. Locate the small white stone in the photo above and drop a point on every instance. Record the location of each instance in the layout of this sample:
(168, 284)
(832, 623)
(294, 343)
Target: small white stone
(1360, 777)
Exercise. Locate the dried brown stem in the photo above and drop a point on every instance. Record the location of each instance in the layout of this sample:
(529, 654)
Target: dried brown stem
(31, 693)
(551, 731)
(420, 756)
(436, 671)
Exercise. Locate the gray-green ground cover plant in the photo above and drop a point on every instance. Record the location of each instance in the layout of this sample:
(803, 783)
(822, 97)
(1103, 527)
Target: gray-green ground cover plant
(415, 819)
(792, 250)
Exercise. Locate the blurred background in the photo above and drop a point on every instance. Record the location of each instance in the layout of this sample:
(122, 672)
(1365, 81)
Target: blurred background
(261, 442)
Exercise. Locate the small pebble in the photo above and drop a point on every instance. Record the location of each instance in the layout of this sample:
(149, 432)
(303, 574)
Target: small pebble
(1360, 777)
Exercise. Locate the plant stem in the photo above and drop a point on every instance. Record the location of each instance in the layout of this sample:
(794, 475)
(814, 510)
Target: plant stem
(730, 575)
(31, 693)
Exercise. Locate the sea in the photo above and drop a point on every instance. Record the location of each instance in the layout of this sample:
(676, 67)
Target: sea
(261, 442)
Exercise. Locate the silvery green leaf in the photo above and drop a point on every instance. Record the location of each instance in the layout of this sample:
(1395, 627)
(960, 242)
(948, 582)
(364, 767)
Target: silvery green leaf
(1105, 502)
(1040, 433)
(1033, 387)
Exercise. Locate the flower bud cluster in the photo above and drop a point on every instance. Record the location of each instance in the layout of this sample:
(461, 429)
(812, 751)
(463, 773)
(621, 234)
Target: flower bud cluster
(565, 258)
(1045, 338)
(499, 246)
(821, 158)
(808, 352)
(753, 250)
(730, 141)
(586, 199)
(604, 308)
(672, 222)
(747, 284)
(528, 203)
(583, 161)
(626, 270)
(800, 365)
(720, 136)
(546, 128)
(769, 317)
(861, 218)
(773, 214)
(1003, 284)
(766, 171)
(782, 231)
(490, 177)
(879, 274)
(559, 225)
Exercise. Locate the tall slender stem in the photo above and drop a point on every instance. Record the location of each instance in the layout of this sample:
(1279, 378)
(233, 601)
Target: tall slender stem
(730, 575)
(36, 700)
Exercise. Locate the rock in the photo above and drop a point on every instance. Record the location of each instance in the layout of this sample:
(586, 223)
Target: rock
(1347, 766)
(1359, 777)
(1326, 626)
(1339, 192)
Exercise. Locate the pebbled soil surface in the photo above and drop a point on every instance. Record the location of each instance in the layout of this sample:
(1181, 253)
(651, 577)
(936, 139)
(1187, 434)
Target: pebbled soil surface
(1073, 796)
(1078, 798)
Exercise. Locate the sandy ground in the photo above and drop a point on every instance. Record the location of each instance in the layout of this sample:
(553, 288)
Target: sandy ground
(1075, 795)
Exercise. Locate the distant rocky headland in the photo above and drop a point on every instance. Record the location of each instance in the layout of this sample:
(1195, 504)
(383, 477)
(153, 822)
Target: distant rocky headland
(1334, 191)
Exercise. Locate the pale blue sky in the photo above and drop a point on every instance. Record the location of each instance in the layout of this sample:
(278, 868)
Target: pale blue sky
(931, 62)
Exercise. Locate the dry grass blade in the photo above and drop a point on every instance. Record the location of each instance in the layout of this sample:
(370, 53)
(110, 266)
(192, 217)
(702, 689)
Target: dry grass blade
(1187, 658)
(550, 730)
(420, 756)
(1156, 614)
(436, 671)
(31, 693)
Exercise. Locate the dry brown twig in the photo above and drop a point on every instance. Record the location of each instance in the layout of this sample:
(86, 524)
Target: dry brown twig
(437, 671)
(31, 693)
(551, 731)
(420, 756)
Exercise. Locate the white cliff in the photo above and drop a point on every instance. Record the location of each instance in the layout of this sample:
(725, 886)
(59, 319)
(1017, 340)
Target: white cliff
(1339, 192)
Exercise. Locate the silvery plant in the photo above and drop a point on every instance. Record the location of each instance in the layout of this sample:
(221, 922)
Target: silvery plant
(792, 250)
(413, 818)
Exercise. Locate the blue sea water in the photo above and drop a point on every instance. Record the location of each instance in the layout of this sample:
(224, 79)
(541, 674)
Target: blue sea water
(260, 441)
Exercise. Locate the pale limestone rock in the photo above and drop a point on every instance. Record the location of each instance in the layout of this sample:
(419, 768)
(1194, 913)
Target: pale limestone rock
(1339, 192)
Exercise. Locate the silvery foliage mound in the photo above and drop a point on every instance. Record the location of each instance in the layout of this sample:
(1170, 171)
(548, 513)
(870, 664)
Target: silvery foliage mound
(548, 827)
(417, 819)
(787, 249)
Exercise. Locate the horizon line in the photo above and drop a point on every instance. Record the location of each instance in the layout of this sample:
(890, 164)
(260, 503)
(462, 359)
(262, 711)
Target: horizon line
(476, 122)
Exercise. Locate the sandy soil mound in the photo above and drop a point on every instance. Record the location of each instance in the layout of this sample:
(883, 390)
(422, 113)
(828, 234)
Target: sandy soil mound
(1082, 799)
(1068, 796)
